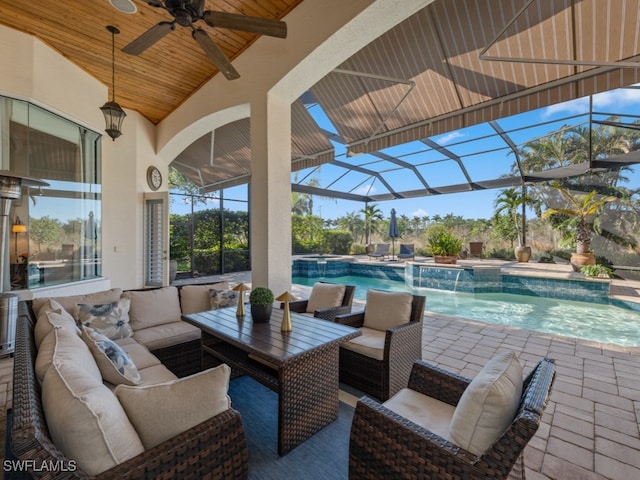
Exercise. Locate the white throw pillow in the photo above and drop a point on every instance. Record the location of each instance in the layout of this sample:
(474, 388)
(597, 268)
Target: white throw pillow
(114, 362)
(385, 309)
(85, 419)
(160, 412)
(110, 319)
(222, 298)
(325, 295)
(488, 405)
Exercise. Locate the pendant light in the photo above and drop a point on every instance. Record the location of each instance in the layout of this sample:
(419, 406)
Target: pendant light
(113, 113)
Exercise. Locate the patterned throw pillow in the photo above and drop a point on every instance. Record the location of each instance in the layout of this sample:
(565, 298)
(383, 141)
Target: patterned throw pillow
(222, 298)
(114, 363)
(110, 319)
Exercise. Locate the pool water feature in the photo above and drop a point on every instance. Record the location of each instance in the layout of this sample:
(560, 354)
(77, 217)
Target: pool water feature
(590, 321)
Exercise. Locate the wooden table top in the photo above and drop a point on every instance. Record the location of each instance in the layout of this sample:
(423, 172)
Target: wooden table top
(266, 339)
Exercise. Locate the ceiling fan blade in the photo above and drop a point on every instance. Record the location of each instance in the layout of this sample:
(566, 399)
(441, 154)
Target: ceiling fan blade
(155, 3)
(259, 25)
(148, 38)
(215, 54)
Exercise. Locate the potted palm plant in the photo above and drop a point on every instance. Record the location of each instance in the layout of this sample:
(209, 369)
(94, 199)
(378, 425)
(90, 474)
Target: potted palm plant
(261, 300)
(508, 202)
(445, 246)
(581, 214)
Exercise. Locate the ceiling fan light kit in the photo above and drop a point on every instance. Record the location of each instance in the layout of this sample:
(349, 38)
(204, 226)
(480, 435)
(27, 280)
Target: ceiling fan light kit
(186, 13)
(113, 113)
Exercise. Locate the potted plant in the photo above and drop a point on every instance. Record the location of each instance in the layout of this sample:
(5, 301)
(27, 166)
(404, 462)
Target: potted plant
(445, 246)
(581, 214)
(261, 300)
(508, 202)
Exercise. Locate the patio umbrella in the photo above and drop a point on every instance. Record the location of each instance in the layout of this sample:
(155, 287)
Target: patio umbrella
(393, 232)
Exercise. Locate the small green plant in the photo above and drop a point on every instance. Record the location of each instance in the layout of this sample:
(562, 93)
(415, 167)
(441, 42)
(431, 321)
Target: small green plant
(596, 271)
(261, 296)
(445, 243)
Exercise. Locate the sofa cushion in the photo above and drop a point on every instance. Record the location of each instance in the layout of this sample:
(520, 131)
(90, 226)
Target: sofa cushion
(114, 362)
(370, 343)
(45, 323)
(155, 375)
(385, 310)
(181, 404)
(325, 295)
(488, 405)
(153, 307)
(69, 302)
(222, 298)
(196, 298)
(85, 419)
(428, 412)
(167, 334)
(70, 347)
(110, 319)
(140, 355)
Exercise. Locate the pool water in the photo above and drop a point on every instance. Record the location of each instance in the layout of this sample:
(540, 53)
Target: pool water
(599, 323)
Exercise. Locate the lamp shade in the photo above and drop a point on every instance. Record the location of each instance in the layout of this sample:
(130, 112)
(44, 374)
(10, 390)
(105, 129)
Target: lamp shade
(113, 117)
(18, 227)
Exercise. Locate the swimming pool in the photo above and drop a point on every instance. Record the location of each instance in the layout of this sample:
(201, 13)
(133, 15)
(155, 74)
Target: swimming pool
(590, 321)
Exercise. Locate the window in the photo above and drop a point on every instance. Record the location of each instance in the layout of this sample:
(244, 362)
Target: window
(62, 243)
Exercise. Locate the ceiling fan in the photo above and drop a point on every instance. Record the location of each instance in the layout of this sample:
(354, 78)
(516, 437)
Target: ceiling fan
(187, 12)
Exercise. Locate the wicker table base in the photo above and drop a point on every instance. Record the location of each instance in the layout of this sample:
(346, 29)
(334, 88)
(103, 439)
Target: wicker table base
(301, 365)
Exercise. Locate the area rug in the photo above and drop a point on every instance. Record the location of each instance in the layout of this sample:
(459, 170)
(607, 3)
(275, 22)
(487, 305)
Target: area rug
(325, 456)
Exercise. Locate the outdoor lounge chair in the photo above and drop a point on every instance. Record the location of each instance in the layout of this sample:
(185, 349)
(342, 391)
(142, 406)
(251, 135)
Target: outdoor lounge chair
(379, 361)
(325, 301)
(381, 252)
(386, 443)
(406, 251)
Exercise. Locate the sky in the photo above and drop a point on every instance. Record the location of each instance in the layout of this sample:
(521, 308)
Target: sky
(466, 143)
(480, 204)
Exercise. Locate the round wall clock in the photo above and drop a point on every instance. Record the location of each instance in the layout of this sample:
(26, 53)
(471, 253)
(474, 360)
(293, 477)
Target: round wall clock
(154, 178)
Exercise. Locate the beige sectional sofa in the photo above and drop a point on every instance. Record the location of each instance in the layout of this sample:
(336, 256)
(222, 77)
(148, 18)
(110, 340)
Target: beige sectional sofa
(101, 389)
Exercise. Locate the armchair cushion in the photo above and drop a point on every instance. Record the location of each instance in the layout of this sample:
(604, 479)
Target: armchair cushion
(386, 309)
(428, 412)
(488, 405)
(325, 295)
(158, 411)
(370, 343)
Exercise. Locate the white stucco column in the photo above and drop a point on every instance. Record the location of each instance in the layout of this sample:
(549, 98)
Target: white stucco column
(270, 193)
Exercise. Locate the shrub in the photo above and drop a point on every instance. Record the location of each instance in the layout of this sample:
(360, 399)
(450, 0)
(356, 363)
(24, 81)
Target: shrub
(596, 271)
(337, 242)
(261, 296)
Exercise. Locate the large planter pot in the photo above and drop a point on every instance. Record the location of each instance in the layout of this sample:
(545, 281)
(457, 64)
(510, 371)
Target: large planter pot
(580, 259)
(446, 259)
(261, 313)
(522, 253)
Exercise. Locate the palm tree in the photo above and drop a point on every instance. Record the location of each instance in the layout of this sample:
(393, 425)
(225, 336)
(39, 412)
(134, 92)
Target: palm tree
(372, 217)
(582, 211)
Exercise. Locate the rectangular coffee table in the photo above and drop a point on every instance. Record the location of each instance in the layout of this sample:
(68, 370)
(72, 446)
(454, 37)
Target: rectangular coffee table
(301, 365)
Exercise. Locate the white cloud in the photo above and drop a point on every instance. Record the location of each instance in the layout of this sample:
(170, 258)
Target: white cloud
(365, 190)
(611, 100)
(448, 137)
(419, 213)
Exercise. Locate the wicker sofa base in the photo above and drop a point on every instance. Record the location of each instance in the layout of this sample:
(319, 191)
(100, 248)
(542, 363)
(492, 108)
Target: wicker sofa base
(182, 359)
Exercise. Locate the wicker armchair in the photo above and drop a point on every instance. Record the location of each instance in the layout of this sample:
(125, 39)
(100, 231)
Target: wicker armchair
(327, 313)
(385, 445)
(400, 347)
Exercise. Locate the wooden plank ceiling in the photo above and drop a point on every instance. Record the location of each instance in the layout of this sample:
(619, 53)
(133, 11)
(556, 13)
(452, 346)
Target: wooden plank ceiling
(161, 78)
